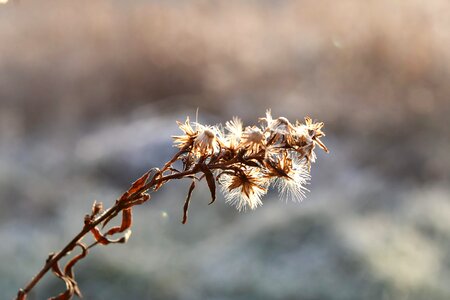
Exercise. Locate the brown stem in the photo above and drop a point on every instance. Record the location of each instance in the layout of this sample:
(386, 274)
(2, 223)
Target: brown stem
(65, 250)
(155, 181)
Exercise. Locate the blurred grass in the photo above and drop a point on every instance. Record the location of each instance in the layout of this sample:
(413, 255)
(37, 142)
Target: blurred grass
(352, 64)
(89, 92)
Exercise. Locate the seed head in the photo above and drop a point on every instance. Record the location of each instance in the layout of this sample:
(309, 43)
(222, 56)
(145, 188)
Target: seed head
(245, 162)
(253, 139)
(234, 128)
(244, 189)
(206, 142)
(292, 186)
(187, 139)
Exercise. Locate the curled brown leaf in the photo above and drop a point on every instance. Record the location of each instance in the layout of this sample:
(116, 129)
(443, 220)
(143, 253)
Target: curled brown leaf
(186, 203)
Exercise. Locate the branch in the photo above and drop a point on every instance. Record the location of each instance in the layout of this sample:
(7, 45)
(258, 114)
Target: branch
(248, 161)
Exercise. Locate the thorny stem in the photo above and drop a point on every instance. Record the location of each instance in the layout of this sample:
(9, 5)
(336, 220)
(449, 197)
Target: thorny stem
(114, 210)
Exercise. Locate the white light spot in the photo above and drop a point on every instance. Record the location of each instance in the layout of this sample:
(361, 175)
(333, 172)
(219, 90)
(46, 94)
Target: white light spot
(337, 43)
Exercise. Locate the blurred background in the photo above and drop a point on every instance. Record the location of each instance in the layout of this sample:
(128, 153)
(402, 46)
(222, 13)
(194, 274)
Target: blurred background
(89, 95)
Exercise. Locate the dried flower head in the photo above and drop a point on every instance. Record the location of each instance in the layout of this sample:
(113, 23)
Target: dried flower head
(244, 189)
(253, 139)
(206, 142)
(315, 132)
(234, 128)
(187, 139)
(246, 160)
(292, 186)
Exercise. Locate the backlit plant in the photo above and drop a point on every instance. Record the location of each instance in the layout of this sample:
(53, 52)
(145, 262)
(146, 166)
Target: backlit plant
(243, 161)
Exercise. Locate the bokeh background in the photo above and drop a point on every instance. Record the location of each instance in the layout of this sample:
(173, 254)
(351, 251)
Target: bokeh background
(89, 95)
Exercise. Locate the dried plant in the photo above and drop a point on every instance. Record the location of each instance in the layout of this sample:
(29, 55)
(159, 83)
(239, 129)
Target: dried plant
(243, 161)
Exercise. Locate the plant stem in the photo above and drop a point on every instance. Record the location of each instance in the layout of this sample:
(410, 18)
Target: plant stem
(87, 228)
(66, 250)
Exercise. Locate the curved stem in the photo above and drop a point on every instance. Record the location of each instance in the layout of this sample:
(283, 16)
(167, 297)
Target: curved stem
(66, 250)
(111, 211)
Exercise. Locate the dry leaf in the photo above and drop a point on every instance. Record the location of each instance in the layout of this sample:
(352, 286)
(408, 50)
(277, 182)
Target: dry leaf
(138, 184)
(127, 219)
(211, 182)
(186, 203)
